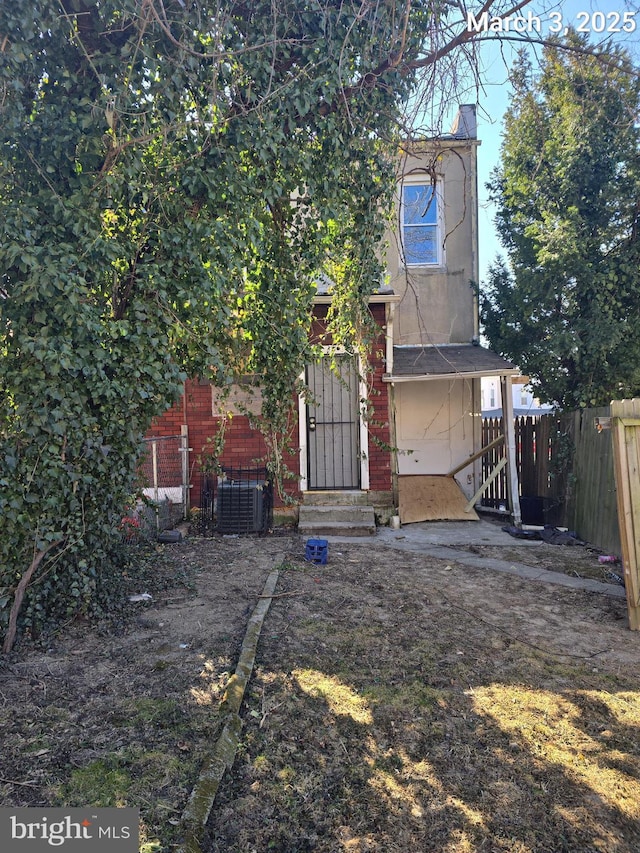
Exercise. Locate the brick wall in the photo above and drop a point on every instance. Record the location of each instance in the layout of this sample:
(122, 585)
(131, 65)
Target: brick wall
(244, 446)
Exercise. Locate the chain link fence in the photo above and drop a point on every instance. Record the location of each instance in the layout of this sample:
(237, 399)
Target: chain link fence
(164, 475)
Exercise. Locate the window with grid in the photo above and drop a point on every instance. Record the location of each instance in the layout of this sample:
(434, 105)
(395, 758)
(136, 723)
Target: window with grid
(421, 240)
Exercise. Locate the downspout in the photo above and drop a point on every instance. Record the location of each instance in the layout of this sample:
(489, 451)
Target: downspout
(476, 417)
(475, 262)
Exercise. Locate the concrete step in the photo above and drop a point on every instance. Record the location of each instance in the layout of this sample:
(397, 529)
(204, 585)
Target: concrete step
(337, 521)
(334, 528)
(336, 497)
(355, 514)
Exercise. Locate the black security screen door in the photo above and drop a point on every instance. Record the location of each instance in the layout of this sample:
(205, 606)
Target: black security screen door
(333, 426)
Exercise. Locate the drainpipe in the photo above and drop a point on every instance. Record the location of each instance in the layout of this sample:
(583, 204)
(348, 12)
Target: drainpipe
(475, 272)
(475, 262)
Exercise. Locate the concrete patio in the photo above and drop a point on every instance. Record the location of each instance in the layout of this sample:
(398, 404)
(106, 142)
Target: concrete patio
(446, 540)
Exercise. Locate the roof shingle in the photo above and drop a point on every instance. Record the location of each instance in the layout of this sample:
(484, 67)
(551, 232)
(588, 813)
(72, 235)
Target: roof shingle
(448, 360)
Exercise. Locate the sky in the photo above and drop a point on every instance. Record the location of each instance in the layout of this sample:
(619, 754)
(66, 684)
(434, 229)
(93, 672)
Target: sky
(493, 99)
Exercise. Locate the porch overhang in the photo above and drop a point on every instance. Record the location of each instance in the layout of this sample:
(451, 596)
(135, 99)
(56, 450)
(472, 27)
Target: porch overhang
(446, 361)
(464, 361)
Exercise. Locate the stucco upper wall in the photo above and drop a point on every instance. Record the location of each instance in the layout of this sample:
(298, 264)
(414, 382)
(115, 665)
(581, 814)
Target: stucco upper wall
(437, 302)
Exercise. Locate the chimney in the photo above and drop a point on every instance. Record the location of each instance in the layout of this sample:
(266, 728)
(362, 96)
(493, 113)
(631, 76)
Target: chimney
(464, 125)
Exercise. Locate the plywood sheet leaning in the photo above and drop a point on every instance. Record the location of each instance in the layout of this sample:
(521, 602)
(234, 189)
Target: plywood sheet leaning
(424, 497)
(626, 453)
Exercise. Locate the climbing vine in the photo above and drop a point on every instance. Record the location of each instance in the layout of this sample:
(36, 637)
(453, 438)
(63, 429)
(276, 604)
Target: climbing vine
(173, 176)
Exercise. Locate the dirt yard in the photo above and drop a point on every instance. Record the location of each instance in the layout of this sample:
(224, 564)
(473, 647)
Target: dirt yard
(399, 703)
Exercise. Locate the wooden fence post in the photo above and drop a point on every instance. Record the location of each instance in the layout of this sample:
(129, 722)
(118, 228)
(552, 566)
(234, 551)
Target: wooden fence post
(184, 464)
(510, 448)
(626, 450)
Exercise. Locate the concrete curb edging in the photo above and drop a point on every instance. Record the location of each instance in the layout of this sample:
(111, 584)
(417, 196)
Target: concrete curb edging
(222, 756)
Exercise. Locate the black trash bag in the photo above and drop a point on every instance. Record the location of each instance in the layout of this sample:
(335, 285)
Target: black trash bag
(553, 536)
(549, 534)
(519, 533)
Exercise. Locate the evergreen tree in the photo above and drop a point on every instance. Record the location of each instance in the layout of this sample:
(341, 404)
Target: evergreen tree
(566, 307)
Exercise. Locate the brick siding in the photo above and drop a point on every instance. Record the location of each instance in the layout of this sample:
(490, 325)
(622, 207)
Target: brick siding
(245, 446)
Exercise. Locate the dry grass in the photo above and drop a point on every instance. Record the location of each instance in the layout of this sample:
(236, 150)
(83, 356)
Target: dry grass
(399, 704)
(395, 710)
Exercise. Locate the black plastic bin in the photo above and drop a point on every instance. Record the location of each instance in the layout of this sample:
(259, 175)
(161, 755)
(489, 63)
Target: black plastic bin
(540, 511)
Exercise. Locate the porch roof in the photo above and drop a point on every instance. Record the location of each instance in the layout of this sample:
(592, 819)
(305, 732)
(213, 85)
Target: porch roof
(446, 361)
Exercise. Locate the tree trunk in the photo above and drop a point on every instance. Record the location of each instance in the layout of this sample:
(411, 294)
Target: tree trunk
(19, 595)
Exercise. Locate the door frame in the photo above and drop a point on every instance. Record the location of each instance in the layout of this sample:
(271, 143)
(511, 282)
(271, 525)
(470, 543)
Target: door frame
(362, 421)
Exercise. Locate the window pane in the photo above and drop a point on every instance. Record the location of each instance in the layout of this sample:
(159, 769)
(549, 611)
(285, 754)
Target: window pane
(420, 244)
(419, 205)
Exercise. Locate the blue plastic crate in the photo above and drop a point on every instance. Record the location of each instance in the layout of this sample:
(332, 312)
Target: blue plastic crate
(317, 551)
